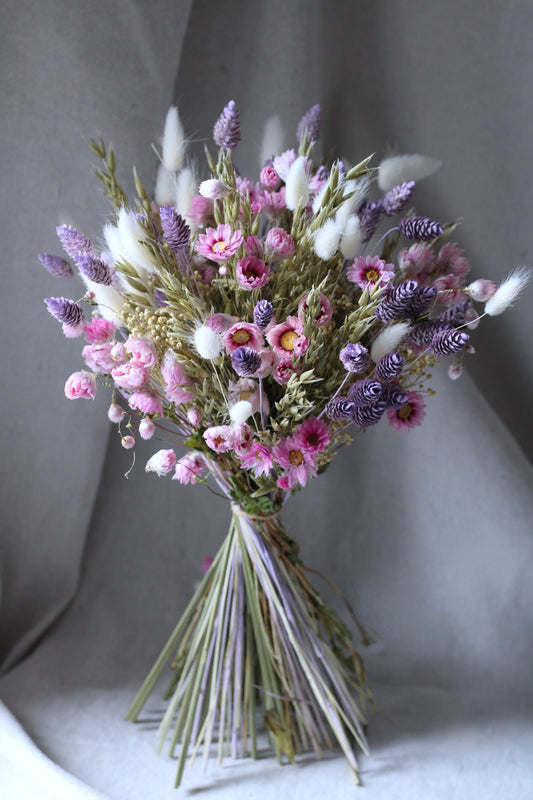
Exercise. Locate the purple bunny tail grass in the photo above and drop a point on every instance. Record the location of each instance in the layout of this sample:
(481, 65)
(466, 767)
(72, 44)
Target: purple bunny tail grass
(422, 300)
(456, 314)
(66, 311)
(365, 392)
(389, 367)
(56, 266)
(366, 416)
(394, 397)
(339, 408)
(395, 200)
(397, 302)
(420, 229)
(310, 124)
(73, 241)
(227, 128)
(176, 232)
(94, 269)
(263, 314)
(369, 214)
(446, 343)
(245, 361)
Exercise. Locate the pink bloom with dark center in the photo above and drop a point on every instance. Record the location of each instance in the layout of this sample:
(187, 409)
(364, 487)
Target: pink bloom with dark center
(279, 243)
(98, 357)
(409, 415)
(219, 243)
(258, 458)
(189, 468)
(324, 315)
(131, 375)
(98, 330)
(146, 401)
(81, 384)
(252, 272)
(312, 436)
(242, 334)
(299, 464)
(219, 438)
(288, 339)
(368, 270)
(142, 350)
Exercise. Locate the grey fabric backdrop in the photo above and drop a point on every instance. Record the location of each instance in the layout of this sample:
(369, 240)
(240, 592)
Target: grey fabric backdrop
(429, 534)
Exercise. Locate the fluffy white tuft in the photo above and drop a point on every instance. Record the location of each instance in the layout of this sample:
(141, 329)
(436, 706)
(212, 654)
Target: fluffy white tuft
(186, 190)
(165, 187)
(239, 412)
(351, 243)
(397, 169)
(388, 340)
(132, 247)
(174, 143)
(508, 291)
(108, 299)
(317, 200)
(297, 185)
(327, 240)
(273, 139)
(358, 190)
(207, 342)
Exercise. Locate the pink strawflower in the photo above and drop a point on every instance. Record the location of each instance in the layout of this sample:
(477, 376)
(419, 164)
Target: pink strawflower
(219, 438)
(324, 315)
(283, 163)
(219, 243)
(142, 350)
(283, 371)
(274, 203)
(481, 290)
(161, 462)
(253, 246)
(127, 442)
(269, 178)
(242, 438)
(258, 458)
(252, 272)
(242, 334)
(146, 428)
(115, 413)
(409, 415)
(284, 483)
(368, 270)
(81, 384)
(201, 211)
(73, 331)
(146, 401)
(194, 415)
(118, 354)
(178, 385)
(299, 464)
(288, 339)
(189, 468)
(130, 375)
(99, 330)
(416, 261)
(450, 288)
(312, 436)
(452, 260)
(98, 357)
(213, 189)
(279, 244)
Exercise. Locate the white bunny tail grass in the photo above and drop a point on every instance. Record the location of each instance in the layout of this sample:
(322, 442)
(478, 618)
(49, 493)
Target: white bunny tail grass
(508, 291)
(388, 340)
(297, 185)
(174, 143)
(186, 189)
(396, 169)
(327, 240)
(165, 187)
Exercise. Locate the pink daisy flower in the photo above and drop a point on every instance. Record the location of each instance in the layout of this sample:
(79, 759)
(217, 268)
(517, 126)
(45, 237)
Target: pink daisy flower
(219, 243)
(410, 414)
(299, 465)
(324, 315)
(312, 436)
(259, 459)
(288, 339)
(189, 468)
(242, 334)
(367, 271)
(219, 438)
(252, 272)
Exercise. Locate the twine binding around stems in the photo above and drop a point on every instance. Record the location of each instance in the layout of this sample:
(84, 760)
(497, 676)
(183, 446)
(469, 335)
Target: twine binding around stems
(257, 636)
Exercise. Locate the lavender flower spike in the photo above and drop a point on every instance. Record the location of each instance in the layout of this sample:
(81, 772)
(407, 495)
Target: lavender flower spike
(227, 129)
(94, 269)
(309, 124)
(263, 314)
(56, 265)
(66, 311)
(245, 361)
(355, 357)
(395, 200)
(420, 229)
(176, 232)
(73, 241)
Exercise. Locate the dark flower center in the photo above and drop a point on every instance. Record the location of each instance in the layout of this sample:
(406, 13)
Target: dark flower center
(405, 411)
(296, 458)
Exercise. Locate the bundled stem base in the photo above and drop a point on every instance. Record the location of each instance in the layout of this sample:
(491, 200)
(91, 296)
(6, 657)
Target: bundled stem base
(257, 633)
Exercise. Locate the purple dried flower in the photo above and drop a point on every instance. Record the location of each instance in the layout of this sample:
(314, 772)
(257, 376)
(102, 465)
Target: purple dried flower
(176, 232)
(263, 314)
(366, 416)
(339, 408)
(422, 334)
(421, 301)
(309, 124)
(369, 214)
(66, 311)
(160, 298)
(456, 314)
(73, 241)
(447, 342)
(389, 367)
(420, 229)
(56, 265)
(395, 200)
(397, 301)
(245, 361)
(355, 357)
(393, 396)
(365, 391)
(94, 269)
(227, 129)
